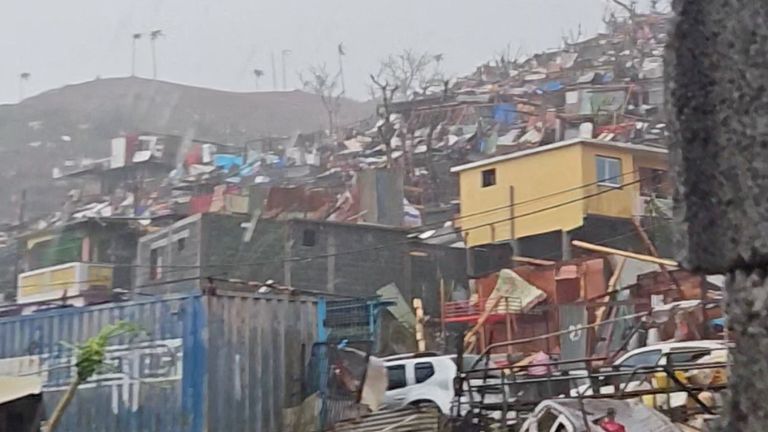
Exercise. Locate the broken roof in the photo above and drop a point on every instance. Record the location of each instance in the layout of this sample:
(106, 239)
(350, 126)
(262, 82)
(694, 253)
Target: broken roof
(558, 145)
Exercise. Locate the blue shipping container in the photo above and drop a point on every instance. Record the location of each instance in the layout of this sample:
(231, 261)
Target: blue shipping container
(227, 362)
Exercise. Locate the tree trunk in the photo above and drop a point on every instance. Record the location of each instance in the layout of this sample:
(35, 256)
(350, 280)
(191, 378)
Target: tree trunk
(58, 413)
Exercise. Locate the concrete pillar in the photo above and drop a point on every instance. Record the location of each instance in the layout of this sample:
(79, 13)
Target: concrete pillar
(717, 83)
(565, 246)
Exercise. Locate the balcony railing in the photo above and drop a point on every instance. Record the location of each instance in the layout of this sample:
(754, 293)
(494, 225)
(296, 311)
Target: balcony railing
(64, 280)
(472, 310)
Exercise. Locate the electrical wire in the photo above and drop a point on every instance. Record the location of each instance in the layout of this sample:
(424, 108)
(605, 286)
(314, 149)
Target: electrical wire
(404, 242)
(539, 198)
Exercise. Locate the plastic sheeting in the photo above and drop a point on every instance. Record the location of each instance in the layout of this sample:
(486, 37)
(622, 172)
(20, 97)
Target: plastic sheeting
(12, 388)
(521, 295)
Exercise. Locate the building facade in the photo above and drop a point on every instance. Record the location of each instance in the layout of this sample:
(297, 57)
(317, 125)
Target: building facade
(545, 196)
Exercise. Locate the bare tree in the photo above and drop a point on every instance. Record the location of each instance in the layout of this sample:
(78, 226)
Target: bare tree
(134, 38)
(23, 77)
(631, 8)
(257, 75)
(385, 128)
(321, 83)
(411, 71)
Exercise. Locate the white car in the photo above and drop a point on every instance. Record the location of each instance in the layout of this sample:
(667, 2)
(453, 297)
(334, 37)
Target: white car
(422, 379)
(656, 355)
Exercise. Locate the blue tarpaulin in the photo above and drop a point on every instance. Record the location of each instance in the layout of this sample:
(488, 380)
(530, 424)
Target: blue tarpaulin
(551, 86)
(505, 113)
(226, 161)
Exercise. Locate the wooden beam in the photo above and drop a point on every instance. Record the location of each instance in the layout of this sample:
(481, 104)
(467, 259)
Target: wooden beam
(422, 345)
(480, 322)
(637, 256)
(443, 332)
(652, 249)
(534, 261)
(557, 333)
(599, 312)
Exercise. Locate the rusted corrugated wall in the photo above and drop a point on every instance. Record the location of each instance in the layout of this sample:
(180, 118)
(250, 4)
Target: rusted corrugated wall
(257, 349)
(403, 420)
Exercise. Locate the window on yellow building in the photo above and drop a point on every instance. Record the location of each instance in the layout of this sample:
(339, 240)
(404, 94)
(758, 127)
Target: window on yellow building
(608, 171)
(489, 177)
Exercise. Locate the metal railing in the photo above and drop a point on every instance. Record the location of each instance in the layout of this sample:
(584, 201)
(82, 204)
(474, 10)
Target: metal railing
(497, 392)
(475, 308)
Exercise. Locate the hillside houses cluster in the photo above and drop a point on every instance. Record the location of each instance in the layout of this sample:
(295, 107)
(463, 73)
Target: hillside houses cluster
(518, 217)
(503, 168)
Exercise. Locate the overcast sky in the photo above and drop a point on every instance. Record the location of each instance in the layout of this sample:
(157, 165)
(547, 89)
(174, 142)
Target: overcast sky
(217, 43)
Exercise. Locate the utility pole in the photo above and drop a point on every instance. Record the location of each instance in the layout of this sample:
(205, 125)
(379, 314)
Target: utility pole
(274, 72)
(22, 206)
(153, 36)
(342, 53)
(284, 54)
(135, 37)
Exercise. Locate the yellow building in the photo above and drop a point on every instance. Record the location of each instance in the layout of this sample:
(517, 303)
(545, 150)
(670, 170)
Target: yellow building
(553, 190)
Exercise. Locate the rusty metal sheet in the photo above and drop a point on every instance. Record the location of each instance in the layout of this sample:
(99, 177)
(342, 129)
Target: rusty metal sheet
(257, 349)
(403, 420)
(573, 345)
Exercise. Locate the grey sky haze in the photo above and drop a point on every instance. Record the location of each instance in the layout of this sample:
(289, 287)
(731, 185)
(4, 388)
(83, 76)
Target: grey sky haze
(217, 43)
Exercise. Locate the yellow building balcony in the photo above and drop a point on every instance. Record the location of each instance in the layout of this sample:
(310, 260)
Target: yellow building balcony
(64, 281)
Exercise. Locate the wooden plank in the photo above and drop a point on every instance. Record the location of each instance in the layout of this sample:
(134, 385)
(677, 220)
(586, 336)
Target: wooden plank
(534, 261)
(417, 306)
(652, 249)
(442, 311)
(480, 322)
(599, 312)
(637, 256)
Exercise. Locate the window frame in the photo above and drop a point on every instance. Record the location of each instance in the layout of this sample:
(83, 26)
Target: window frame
(691, 352)
(612, 180)
(657, 352)
(488, 178)
(416, 377)
(156, 263)
(389, 379)
(309, 237)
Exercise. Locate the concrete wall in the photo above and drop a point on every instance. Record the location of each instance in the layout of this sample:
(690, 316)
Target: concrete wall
(359, 258)
(531, 177)
(178, 247)
(346, 259)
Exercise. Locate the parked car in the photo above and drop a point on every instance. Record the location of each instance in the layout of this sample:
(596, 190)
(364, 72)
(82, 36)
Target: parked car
(420, 380)
(425, 379)
(656, 355)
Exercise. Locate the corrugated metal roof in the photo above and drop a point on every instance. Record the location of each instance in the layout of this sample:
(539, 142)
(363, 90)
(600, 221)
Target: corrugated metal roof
(557, 145)
(403, 420)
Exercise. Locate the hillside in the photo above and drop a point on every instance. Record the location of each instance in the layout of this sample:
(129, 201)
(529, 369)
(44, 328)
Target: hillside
(78, 120)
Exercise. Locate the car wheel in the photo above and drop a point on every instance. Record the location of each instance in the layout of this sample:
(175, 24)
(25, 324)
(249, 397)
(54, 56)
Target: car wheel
(425, 404)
